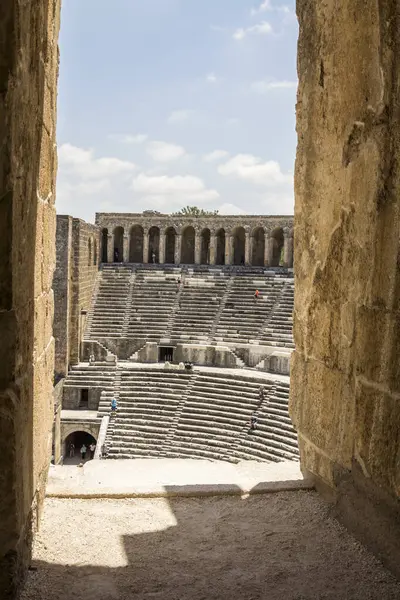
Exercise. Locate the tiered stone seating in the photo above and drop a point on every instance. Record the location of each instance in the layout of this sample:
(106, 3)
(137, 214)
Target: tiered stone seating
(278, 330)
(107, 316)
(274, 438)
(199, 303)
(147, 407)
(153, 298)
(100, 375)
(243, 315)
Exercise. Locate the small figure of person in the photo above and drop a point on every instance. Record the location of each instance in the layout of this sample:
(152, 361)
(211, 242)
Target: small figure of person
(92, 449)
(153, 257)
(83, 451)
(92, 359)
(114, 405)
(71, 450)
(256, 294)
(253, 423)
(104, 450)
(116, 255)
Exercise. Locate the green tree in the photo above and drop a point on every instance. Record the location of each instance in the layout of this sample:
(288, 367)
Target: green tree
(195, 211)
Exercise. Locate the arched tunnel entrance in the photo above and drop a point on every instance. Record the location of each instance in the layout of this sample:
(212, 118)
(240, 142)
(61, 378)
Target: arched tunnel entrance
(74, 444)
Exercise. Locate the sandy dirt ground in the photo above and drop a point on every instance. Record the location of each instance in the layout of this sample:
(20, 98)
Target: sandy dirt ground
(270, 547)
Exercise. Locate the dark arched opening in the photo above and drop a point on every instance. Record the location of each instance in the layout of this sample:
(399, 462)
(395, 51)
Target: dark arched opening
(188, 244)
(239, 246)
(104, 245)
(89, 252)
(220, 250)
(205, 247)
(277, 243)
(170, 236)
(257, 258)
(119, 244)
(136, 244)
(74, 444)
(154, 245)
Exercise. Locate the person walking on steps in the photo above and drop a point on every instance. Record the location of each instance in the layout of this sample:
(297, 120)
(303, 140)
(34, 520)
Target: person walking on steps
(71, 450)
(253, 423)
(256, 294)
(114, 405)
(83, 452)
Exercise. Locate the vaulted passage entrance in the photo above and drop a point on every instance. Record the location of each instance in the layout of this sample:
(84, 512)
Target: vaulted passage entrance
(205, 247)
(154, 245)
(118, 244)
(188, 244)
(74, 444)
(220, 250)
(136, 244)
(239, 246)
(258, 247)
(170, 236)
(276, 250)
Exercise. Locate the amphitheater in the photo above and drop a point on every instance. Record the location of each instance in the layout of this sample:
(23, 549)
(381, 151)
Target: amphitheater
(143, 321)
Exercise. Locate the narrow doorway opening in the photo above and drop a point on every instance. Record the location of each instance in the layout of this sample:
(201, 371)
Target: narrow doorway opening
(165, 354)
(84, 399)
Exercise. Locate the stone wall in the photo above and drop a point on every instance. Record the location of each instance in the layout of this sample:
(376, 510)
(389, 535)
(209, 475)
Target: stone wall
(251, 240)
(78, 258)
(345, 376)
(28, 83)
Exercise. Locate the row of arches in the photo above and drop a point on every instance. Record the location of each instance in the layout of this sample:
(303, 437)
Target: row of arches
(169, 247)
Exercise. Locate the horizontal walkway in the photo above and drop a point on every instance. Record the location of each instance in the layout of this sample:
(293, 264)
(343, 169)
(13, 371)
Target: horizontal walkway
(171, 477)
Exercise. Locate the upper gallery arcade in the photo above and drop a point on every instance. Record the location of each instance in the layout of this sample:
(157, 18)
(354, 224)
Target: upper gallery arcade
(210, 240)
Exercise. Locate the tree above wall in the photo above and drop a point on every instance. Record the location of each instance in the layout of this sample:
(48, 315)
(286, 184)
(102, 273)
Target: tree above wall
(195, 211)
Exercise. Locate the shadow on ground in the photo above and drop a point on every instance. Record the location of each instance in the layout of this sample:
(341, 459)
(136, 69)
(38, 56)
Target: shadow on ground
(270, 547)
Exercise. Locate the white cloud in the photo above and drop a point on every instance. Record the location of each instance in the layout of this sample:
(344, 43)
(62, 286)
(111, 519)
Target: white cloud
(230, 209)
(164, 152)
(263, 28)
(263, 87)
(139, 138)
(267, 6)
(212, 78)
(253, 169)
(82, 163)
(173, 188)
(215, 155)
(179, 116)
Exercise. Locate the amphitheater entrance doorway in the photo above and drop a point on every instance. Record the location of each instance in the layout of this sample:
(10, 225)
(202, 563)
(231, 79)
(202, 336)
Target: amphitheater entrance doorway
(73, 445)
(277, 242)
(170, 235)
(166, 354)
(220, 257)
(239, 246)
(258, 247)
(188, 242)
(136, 244)
(104, 245)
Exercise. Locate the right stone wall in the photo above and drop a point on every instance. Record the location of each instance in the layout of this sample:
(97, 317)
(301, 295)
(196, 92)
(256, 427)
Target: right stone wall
(345, 374)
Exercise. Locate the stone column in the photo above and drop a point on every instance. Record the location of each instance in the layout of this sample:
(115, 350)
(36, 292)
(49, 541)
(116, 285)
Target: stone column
(228, 249)
(161, 253)
(266, 251)
(178, 246)
(247, 248)
(145, 246)
(125, 257)
(110, 248)
(213, 249)
(197, 249)
(288, 251)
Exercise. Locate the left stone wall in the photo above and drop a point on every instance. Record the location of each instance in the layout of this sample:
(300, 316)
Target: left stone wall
(28, 164)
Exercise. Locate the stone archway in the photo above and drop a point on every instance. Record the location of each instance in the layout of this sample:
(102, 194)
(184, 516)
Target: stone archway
(170, 240)
(188, 246)
(104, 245)
(276, 247)
(205, 247)
(136, 240)
(239, 246)
(77, 438)
(118, 244)
(154, 245)
(220, 249)
(258, 252)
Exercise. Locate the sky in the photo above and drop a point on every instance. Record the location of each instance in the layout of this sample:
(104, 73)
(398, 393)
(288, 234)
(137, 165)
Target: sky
(169, 103)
